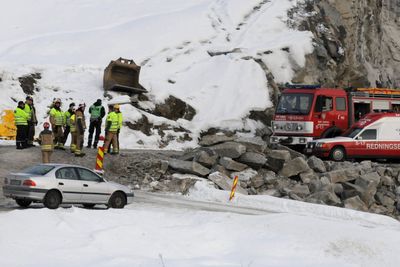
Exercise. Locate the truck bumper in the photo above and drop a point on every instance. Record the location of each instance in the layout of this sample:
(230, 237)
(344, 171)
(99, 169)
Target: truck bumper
(290, 140)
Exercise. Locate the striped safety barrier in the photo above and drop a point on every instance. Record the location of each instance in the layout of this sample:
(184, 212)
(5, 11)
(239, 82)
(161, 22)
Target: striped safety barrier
(235, 181)
(99, 160)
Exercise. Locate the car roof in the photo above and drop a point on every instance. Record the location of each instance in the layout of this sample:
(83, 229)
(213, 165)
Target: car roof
(62, 165)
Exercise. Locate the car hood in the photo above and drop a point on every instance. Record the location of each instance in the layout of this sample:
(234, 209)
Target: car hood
(334, 140)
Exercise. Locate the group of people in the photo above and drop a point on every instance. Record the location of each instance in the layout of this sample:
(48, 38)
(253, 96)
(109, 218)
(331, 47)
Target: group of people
(64, 123)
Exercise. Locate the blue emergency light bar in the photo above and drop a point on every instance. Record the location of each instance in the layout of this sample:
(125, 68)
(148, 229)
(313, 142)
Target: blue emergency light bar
(302, 86)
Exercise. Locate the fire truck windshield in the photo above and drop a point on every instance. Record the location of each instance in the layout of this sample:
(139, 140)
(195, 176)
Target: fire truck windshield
(294, 103)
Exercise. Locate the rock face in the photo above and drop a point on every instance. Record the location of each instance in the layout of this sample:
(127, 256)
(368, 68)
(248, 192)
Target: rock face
(356, 42)
(174, 108)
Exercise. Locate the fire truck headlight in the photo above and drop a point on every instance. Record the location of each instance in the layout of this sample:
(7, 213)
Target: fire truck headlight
(275, 127)
(299, 127)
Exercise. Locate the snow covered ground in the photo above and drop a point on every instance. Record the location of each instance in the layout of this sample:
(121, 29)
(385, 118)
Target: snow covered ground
(71, 42)
(295, 234)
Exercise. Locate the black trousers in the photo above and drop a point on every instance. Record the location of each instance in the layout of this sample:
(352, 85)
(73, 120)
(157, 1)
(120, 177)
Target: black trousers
(22, 136)
(30, 132)
(94, 125)
(66, 133)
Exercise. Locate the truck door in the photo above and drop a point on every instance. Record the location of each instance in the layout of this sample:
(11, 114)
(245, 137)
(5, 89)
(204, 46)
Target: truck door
(341, 113)
(325, 115)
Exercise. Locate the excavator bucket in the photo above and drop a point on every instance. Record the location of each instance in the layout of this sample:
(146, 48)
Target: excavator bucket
(123, 75)
(8, 131)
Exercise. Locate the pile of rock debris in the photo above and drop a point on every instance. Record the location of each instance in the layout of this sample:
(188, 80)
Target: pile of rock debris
(365, 186)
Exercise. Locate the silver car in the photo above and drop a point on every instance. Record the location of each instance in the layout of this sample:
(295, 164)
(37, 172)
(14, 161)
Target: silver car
(55, 184)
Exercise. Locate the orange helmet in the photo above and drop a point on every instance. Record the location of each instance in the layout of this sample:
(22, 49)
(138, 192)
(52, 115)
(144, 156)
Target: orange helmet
(46, 125)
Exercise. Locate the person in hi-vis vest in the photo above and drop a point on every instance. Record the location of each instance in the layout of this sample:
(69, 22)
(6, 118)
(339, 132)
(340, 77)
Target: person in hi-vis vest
(97, 113)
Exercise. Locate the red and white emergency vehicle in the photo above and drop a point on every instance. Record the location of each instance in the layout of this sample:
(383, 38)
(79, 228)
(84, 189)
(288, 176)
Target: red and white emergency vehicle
(305, 113)
(376, 135)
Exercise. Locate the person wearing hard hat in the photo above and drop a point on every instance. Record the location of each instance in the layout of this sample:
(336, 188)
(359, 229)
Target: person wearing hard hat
(67, 119)
(32, 121)
(97, 113)
(46, 141)
(80, 129)
(57, 124)
(21, 121)
(111, 131)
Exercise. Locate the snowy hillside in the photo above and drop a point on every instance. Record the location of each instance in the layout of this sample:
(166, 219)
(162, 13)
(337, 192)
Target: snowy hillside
(71, 42)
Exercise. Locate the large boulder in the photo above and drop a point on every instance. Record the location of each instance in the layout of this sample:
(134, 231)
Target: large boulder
(232, 165)
(188, 167)
(355, 203)
(316, 164)
(343, 175)
(257, 181)
(174, 108)
(253, 159)
(277, 158)
(229, 149)
(326, 197)
(225, 183)
(245, 175)
(253, 144)
(207, 157)
(213, 139)
(294, 167)
(367, 185)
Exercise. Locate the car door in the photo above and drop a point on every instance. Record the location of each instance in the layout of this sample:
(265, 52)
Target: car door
(366, 143)
(69, 184)
(94, 189)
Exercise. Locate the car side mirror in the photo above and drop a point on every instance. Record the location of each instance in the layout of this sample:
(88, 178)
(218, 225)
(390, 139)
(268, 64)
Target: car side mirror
(359, 138)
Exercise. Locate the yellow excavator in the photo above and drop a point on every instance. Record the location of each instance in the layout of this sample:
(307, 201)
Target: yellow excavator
(8, 131)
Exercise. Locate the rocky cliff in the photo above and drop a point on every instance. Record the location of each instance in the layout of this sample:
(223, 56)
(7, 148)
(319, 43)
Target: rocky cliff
(357, 42)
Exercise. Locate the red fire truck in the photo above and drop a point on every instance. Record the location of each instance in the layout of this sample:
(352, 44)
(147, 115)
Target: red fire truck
(376, 135)
(305, 113)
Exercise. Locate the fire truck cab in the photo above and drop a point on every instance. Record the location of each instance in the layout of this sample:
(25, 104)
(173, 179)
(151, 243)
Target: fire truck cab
(376, 135)
(305, 112)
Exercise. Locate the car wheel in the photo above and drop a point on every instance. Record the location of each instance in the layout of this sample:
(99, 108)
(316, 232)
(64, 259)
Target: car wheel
(338, 154)
(23, 202)
(89, 206)
(52, 200)
(117, 200)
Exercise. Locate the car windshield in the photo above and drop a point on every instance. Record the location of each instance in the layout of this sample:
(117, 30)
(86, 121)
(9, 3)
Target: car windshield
(352, 132)
(294, 104)
(39, 169)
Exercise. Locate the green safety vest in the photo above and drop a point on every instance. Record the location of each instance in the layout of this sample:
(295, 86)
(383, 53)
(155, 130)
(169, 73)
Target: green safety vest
(21, 117)
(119, 120)
(58, 116)
(72, 123)
(67, 116)
(28, 111)
(113, 118)
(95, 111)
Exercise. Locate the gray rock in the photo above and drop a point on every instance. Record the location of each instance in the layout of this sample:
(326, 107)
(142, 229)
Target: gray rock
(252, 144)
(219, 168)
(176, 185)
(253, 159)
(308, 176)
(294, 167)
(301, 190)
(188, 167)
(381, 170)
(387, 180)
(277, 158)
(225, 183)
(355, 203)
(206, 158)
(385, 200)
(326, 197)
(229, 149)
(209, 140)
(293, 153)
(245, 175)
(343, 175)
(271, 192)
(367, 185)
(397, 191)
(316, 164)
(257, 181)
(230, 164)
(338, 189)
(366, 164)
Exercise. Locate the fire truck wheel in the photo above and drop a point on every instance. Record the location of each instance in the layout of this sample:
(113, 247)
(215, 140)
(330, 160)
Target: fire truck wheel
(338, 154)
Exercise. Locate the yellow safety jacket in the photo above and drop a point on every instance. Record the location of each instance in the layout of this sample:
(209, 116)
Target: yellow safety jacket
(119, 120)
(21, 117)
(57, 117)
(113, 121)
(72, 120)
